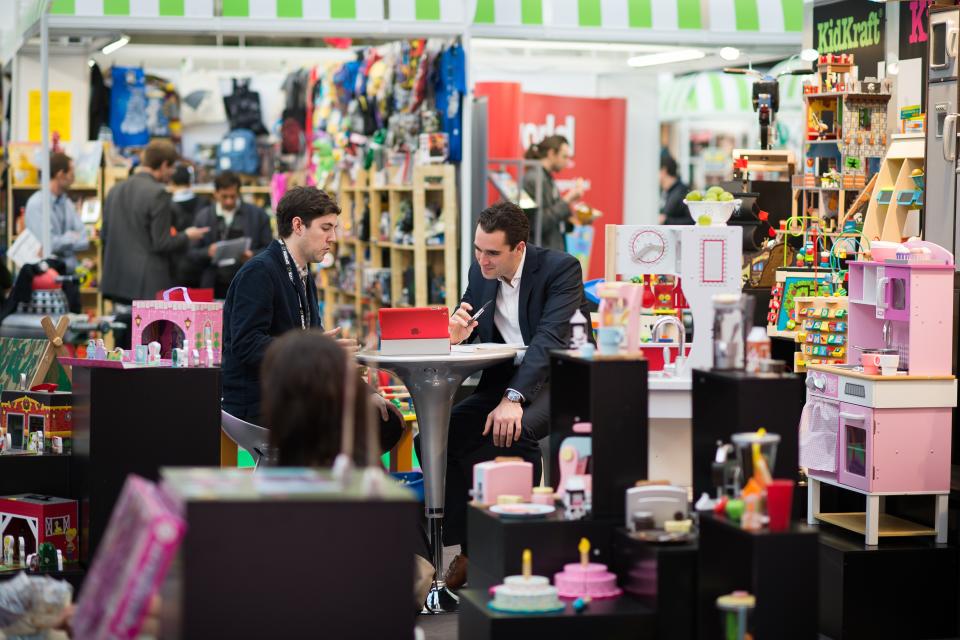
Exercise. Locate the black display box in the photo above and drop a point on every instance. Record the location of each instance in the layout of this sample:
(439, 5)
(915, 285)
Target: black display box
(663, 576)
(610, 393)
(779, 568)
(620, 618)
(497, 544)
(728, 402)
(902, 589)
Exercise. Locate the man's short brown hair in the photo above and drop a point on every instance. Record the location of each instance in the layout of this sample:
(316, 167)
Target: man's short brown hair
(59, 162)
(507, 217)
(158, 153)
(306, 203)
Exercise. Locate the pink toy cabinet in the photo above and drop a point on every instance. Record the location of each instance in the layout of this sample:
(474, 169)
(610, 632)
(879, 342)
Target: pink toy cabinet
(898, 305)
(194, 321)
(882, 435)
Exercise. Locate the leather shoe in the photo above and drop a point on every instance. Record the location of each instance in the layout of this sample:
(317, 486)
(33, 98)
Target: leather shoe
(456, 575)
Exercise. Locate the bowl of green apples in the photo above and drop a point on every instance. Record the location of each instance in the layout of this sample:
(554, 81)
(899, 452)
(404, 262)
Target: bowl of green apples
(712, 207)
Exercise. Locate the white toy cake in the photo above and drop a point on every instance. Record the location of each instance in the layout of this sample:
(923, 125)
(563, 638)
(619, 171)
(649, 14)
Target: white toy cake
(525, 593)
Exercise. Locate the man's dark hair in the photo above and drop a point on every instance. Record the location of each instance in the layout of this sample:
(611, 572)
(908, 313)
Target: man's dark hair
(306, 203)
(158, 153)
(182, 176)
(226, 180)
(539, 150)
(507, 217)
(59, 162)
(669, 165)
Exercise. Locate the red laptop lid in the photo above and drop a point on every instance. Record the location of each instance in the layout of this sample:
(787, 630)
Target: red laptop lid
(411, 324)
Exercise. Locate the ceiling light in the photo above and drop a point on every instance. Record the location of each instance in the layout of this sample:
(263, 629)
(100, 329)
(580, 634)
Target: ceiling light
(809, 55)
(116, 44)
(729, 53)
(666, 57)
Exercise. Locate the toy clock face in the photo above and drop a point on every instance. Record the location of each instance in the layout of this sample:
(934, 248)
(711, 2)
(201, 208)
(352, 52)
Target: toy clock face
(647, 247)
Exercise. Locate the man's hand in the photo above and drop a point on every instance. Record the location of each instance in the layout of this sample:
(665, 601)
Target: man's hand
(461, 326)
(195, 233)
(505, 420)
(385, 407)
(247, 254)
(349, 344)
(212, 250)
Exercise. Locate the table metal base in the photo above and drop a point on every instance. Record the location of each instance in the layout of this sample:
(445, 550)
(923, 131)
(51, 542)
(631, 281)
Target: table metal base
(440, 599)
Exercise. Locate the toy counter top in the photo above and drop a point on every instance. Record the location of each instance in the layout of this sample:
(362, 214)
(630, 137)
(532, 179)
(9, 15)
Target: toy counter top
(275, 484)
(847, 370)
(930, 266)
(574, 354)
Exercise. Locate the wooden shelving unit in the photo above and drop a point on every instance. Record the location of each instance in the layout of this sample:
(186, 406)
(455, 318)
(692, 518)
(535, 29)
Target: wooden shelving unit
(349, 289)
(893, 220)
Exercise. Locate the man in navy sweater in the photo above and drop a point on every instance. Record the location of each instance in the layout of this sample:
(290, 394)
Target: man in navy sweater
(273, 293)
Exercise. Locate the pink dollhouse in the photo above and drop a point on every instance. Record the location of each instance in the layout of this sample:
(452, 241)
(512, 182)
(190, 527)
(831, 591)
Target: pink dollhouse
(169, 322)
(887, 433)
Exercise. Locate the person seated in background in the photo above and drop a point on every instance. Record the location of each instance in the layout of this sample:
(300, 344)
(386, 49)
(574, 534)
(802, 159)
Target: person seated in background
(229, 218)
(303, 381)
(186, 205)
(68, 235)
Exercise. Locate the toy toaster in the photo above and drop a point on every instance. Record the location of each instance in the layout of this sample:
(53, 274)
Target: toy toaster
(661, 501)
(502, 476)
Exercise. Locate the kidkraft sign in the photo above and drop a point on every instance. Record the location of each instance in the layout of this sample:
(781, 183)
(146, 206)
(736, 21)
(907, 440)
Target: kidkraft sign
(851, 26)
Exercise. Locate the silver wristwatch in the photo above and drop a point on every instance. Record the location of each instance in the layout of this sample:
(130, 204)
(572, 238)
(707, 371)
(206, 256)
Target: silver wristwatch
(513, 395)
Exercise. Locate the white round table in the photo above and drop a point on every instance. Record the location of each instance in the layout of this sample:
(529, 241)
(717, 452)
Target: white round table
(432, 382)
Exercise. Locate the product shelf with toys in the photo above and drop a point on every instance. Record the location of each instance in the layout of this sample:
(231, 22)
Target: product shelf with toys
(399, 246)
(822, 330)
(894, 212)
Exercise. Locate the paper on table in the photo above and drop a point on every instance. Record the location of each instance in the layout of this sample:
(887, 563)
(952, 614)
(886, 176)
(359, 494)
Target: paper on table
(25, 249)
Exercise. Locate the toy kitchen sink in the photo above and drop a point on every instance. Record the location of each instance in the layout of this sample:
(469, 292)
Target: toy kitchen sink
(889, 434)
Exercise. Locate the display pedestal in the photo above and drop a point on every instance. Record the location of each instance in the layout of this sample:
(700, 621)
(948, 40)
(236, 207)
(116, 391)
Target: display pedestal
(728, 402)
(903, 589)
(336, 565)
(137, 421)
(620, 618)
(611, 394)
(663, 576)
(780, 569)
(497, 544)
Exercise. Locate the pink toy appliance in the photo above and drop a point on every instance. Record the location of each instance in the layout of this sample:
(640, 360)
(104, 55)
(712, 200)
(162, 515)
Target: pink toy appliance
(887, 434)
(575, 456)
(502, 476)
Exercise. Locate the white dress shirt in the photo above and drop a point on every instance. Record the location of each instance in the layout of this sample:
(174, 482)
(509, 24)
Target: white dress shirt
(506, 316)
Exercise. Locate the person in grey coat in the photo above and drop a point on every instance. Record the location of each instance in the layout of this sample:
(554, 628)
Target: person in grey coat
(136, 233)
(553, 152)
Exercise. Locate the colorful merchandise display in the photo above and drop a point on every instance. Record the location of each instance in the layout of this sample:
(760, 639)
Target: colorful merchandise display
(38, 519)
(46, 413)
(821, 330)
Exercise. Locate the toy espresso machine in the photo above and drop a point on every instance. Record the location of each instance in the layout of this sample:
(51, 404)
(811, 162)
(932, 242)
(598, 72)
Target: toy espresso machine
(880, 424)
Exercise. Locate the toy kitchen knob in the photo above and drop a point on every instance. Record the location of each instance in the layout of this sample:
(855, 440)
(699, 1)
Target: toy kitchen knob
(816, 383)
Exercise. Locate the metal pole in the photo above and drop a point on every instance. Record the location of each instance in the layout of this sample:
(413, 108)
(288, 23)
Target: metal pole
(45, 129)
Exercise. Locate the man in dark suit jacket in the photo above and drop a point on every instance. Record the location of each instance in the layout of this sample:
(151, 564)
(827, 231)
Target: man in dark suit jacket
(138, 244)
(273, 293)
(533, 293)
(228, 218)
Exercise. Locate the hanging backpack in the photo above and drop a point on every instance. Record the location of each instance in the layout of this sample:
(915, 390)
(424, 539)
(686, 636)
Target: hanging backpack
(238, 152)
(243, 108)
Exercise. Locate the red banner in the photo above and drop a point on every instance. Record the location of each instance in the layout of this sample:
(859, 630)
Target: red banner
(595, 127)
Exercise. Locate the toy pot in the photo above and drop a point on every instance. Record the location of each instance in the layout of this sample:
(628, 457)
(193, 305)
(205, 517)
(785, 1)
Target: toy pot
(608, 340)
(876, 360)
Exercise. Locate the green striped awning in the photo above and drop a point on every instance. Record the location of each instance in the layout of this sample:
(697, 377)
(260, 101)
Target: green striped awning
(718, 16)
(762, 16)
(712, 93)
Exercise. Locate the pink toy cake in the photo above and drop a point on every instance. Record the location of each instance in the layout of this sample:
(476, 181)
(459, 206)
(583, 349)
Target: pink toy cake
(578, 580)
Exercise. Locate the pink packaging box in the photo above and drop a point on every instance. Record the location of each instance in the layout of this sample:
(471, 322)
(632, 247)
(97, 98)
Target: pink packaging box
(130, 564)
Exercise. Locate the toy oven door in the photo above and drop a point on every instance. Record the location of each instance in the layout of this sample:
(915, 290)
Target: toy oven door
(856, 439)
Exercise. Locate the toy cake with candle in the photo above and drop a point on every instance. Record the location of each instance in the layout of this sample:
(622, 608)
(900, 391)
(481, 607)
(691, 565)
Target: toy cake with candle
(525, 593)
(585, 578)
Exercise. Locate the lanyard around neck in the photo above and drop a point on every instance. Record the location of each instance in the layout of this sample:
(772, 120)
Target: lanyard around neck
(300, 302)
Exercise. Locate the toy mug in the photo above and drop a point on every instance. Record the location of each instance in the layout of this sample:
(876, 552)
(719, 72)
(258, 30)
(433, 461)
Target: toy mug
(608, 340)
(876, 361)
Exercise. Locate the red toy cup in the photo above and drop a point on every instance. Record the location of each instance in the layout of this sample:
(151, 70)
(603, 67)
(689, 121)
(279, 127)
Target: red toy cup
(779, 503)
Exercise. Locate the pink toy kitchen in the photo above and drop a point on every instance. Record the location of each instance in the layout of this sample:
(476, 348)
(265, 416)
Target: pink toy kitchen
(879, 425)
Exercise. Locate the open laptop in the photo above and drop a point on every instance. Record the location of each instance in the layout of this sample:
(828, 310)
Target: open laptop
(417, 331)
